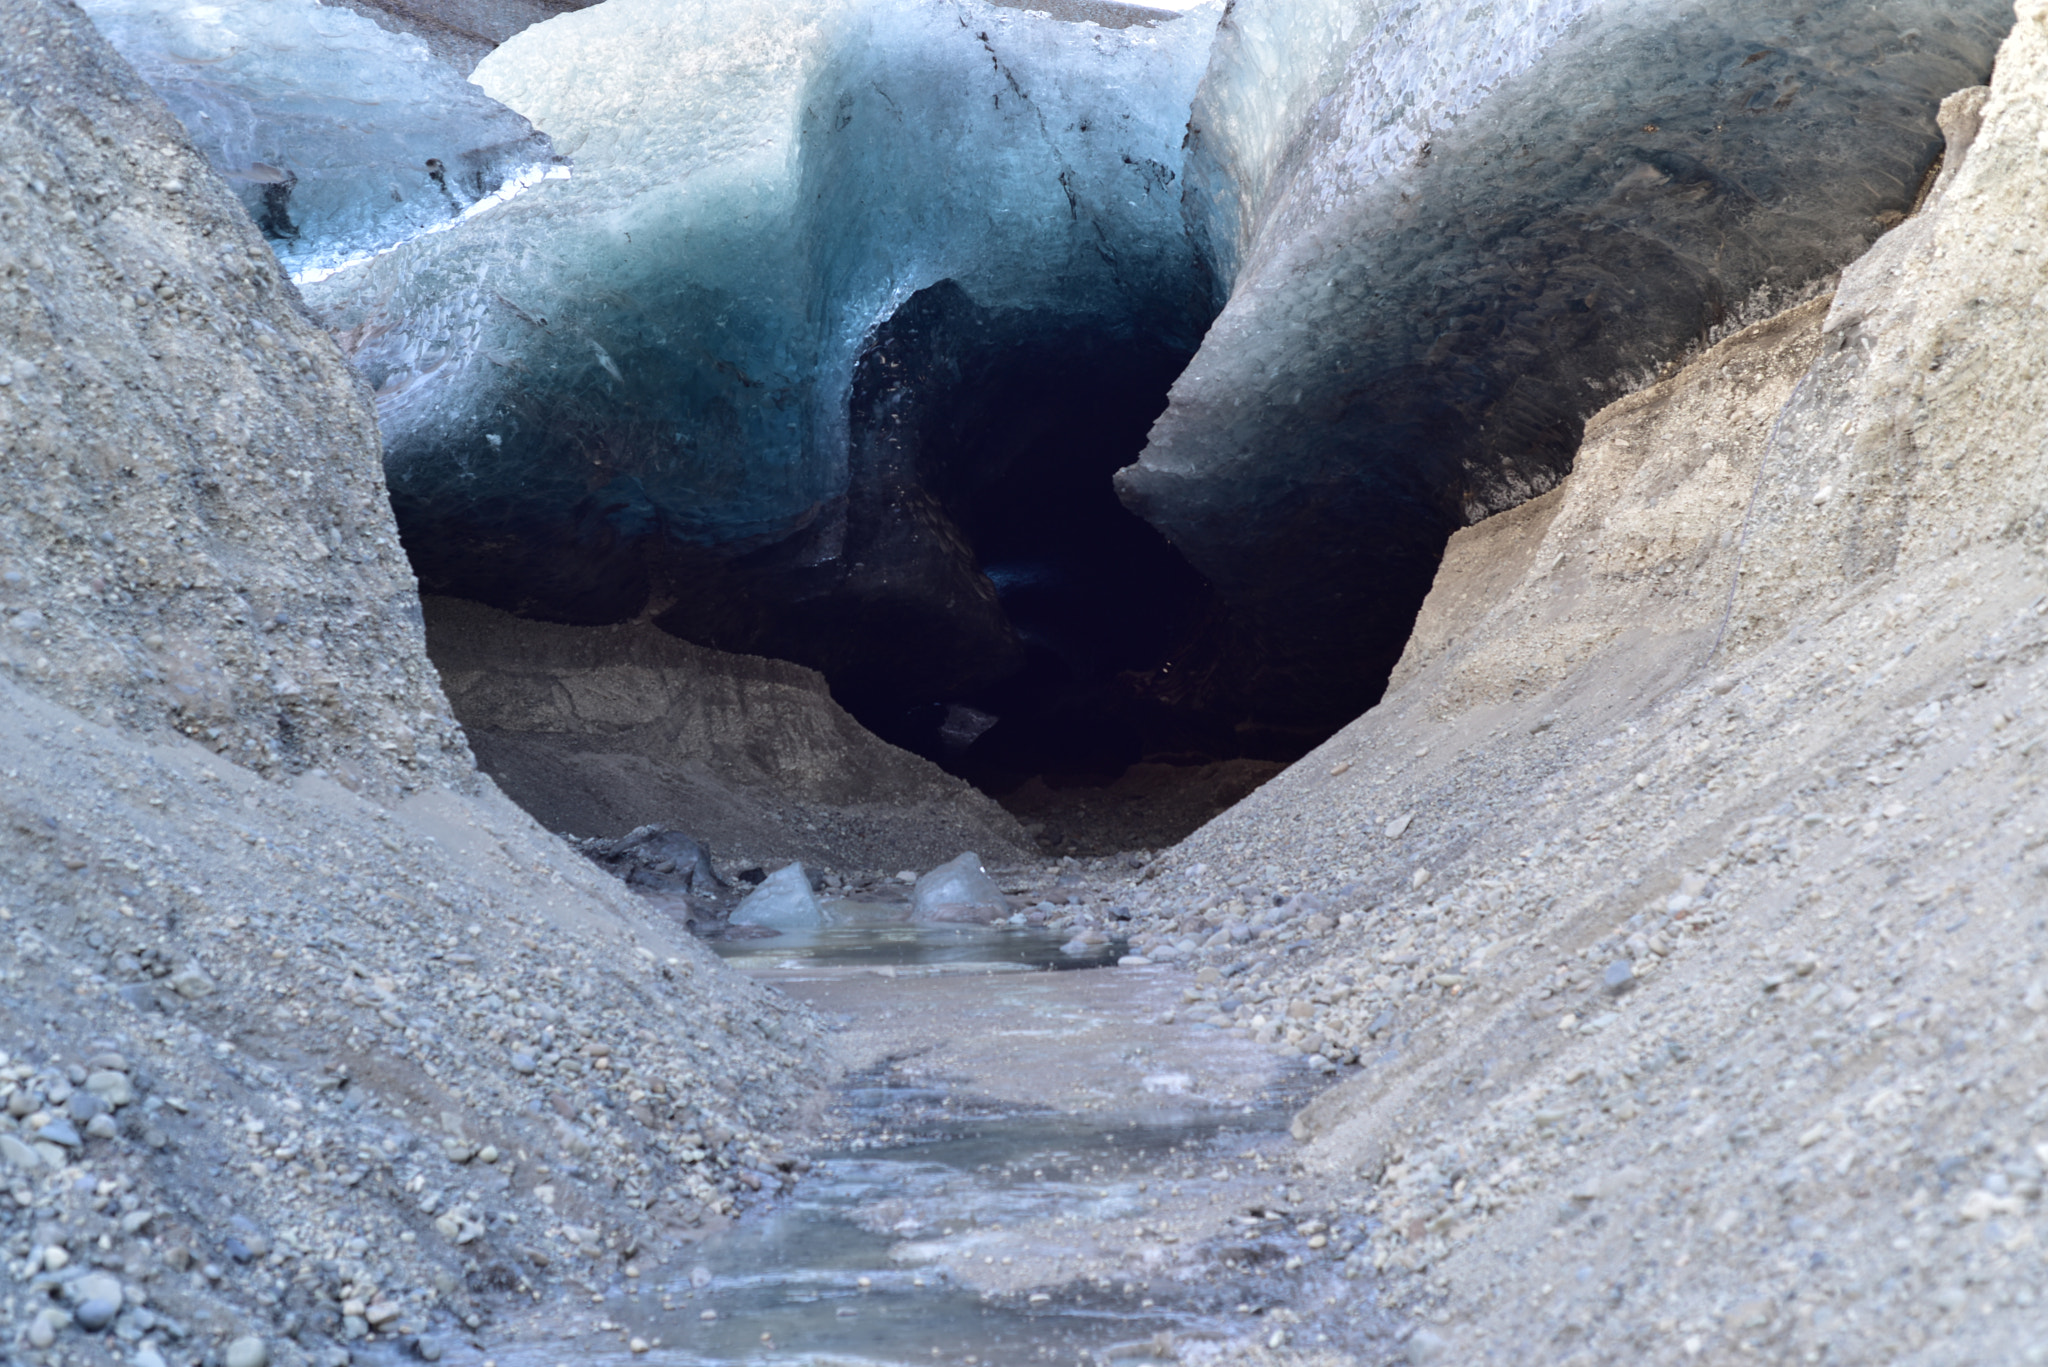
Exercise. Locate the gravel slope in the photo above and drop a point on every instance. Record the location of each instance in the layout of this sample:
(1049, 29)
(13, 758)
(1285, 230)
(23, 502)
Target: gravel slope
(1682, 905)
(313, 1042)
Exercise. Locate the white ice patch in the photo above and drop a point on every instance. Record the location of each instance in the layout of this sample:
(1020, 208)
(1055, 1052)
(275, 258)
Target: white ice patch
(342, 138)
(504, 194)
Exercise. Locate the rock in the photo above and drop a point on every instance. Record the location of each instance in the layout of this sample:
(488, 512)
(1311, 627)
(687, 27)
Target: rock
(102, 1127)
(60, 1132)
(96, 1314)
(247, 1351)
(457, 1150)
(1398, 827)
(111, 1086)
(191, 982)
(1619, 976)
(784, 901)
(44, 1328)
(147, 1356)
(959, 891)
(658, 858)
(83, 1106)
(523, 1061)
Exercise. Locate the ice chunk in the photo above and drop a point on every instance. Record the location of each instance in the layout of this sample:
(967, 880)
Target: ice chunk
(784, 901)
(654, 358)
(341, 138)
(959, 890)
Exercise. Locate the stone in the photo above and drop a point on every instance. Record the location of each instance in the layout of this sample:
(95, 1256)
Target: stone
(247, 1351)
(191, 982)
(1618, 976)
(111, 1086)
(60, 1132)
(784, 901)
(657, 858)
(959, 891)
(102, 1127)
(19, 1154)
(96, 1314)
(1398, 827)
(523, 1061)
(83, 1106)
(44, 1328)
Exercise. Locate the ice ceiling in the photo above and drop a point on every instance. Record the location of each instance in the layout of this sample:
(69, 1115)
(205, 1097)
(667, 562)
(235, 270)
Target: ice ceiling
(831, 344)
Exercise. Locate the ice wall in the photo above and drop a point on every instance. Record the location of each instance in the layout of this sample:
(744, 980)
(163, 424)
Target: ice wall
(1445, 233)
(341, 138)
(589, 388)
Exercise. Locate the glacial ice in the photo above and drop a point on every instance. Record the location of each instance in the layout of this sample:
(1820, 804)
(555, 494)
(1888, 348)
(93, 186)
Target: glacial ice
(341, 138)
(1444, 234)
(783, 901)
(958, 890)
(658, 353)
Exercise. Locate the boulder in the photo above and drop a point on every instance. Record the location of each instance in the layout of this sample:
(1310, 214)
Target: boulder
(655, 858)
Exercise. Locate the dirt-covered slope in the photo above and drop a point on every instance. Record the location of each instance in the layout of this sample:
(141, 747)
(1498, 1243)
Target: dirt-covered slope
(313, 1043)
(1683, 901)
(597, 730)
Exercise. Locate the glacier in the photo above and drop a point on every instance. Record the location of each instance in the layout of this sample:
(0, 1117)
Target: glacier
(341, 138)
(1442, 235)
(643, 389)
(828, 348)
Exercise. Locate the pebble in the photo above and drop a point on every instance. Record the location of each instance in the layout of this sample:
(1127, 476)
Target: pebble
(18, 1153)
(60, 1132)
(112, 1087)
(1618, 975)
(48, 1323)
(247, 1351)
(191, 981)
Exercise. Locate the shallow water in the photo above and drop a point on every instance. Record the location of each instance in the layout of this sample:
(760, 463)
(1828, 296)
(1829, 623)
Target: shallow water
(897, 1246)
(788, 1286)
(863, 934)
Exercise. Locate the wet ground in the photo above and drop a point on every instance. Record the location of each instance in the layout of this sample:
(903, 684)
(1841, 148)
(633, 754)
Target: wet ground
(1025, 1166)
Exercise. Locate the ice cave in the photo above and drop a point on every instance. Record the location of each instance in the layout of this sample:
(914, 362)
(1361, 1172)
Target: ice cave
(1070, 383)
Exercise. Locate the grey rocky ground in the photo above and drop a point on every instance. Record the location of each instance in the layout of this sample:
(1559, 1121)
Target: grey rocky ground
(1671, 934)
(314, 1043)
(1681, 906)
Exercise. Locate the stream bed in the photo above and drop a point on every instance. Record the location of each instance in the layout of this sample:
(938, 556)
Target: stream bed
(1023, 1166)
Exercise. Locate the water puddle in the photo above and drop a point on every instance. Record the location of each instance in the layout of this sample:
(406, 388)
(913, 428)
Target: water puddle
(871, 935)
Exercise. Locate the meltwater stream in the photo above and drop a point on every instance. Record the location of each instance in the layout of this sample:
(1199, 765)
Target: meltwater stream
(1009, 1178)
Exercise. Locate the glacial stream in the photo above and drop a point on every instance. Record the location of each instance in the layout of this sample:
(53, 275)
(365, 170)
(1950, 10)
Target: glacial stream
(1024, 1166)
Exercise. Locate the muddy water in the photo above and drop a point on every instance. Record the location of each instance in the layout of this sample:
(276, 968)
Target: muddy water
(1024, 1166)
